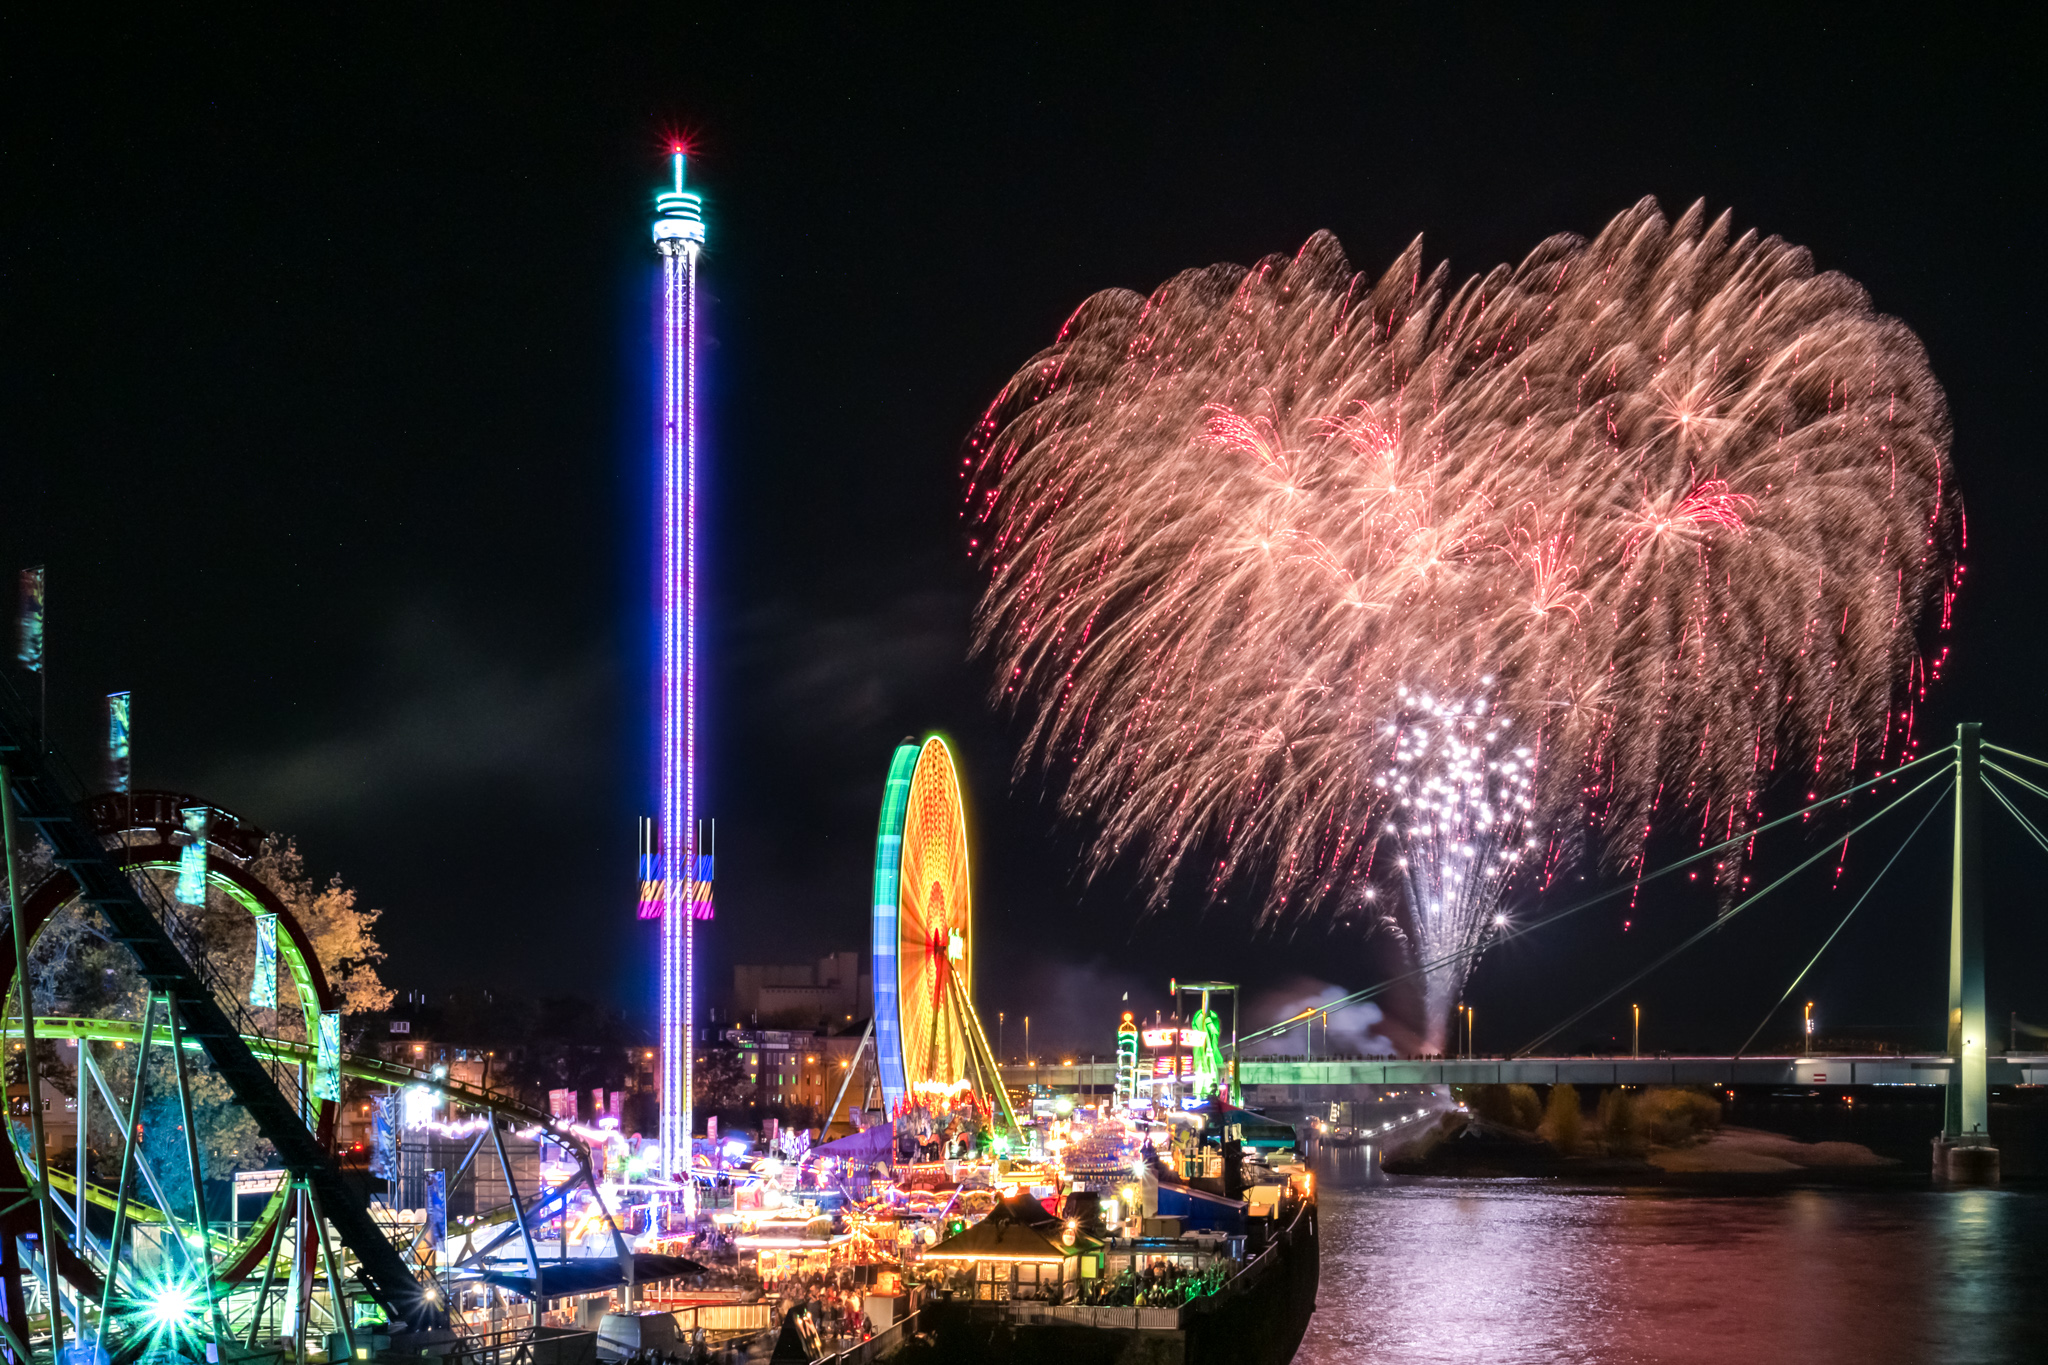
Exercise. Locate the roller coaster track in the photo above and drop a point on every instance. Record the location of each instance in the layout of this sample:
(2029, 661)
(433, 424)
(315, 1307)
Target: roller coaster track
(137, 917)
(359, 1066)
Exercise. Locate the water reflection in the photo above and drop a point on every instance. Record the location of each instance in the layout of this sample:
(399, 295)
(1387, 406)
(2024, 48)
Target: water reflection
(1514, 1270)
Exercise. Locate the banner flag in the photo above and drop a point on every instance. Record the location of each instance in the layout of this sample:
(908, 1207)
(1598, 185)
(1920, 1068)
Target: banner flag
(437, 1213)
(383, 1137)
(327, 1076)
(192, 857)
(117, 742)
(30, 652)
(263, 985)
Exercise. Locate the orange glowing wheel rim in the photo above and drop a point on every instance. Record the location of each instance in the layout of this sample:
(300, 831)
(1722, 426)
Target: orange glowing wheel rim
(925, 922)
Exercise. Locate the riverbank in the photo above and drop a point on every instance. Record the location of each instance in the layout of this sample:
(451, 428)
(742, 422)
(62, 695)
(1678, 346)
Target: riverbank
(1752, 1151)
(1460, 1146)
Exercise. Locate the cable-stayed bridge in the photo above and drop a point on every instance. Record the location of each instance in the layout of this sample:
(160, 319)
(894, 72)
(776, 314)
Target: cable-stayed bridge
(1954, 779)
(1310, 1080)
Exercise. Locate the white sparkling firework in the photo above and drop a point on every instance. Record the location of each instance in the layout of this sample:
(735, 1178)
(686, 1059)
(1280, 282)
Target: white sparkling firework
(1459, 790)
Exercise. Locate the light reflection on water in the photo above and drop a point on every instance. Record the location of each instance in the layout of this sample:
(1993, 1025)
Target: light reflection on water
(1525, 1270)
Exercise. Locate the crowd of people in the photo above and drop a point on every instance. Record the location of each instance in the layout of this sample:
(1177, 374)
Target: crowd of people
(698, 1352)
(832, 1298)
(1156, 1286)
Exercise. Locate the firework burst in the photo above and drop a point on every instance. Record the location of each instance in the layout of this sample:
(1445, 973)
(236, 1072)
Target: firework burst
(1459, 789)
(1681, 497)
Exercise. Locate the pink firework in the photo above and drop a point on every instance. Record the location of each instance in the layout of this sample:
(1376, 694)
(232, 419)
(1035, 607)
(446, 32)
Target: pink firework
(1677, 497)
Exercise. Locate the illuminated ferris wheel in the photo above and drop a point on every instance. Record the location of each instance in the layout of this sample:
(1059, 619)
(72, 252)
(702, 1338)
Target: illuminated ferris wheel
(931, 1047)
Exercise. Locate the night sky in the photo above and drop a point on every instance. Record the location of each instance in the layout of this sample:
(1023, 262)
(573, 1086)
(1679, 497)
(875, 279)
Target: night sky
(325, 396)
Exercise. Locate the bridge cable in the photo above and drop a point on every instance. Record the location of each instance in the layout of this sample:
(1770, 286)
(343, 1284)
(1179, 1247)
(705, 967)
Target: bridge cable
(1896, 853)
(1721, 921)
(1517, 931)
(2033, 831)
(2015, 753)
(2004, 771)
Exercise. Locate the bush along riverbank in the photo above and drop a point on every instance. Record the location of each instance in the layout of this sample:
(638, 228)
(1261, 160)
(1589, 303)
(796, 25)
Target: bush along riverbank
(1630, 1133)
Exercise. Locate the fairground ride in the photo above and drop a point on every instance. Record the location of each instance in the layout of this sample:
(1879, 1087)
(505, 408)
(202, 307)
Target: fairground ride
(679, 238)
(930, 1047)
(135, 925)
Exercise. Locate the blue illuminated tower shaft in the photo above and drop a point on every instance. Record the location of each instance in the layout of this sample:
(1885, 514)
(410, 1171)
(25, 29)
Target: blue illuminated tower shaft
(679, 237)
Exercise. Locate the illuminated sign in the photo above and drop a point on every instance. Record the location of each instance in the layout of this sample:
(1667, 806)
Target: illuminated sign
(118, 759)
(263, 984)
(260, 1182)
(1169, 1037)
(30, 651)
(191, 888)
(327, 1076)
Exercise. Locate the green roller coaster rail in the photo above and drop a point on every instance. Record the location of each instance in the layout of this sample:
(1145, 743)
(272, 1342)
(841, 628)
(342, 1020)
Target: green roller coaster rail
(355, 1065)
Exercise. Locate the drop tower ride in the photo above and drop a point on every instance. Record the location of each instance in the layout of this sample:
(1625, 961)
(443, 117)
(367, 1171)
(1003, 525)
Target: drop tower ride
(679, 238)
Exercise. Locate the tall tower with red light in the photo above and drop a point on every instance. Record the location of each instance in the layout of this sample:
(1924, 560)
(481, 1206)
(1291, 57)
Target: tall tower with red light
(679, 238)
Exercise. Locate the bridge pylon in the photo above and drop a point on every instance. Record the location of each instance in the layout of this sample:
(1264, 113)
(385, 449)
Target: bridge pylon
(1963, 1153)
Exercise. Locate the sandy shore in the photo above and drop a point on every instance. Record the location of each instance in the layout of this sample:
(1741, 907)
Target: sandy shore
(1752, 1151)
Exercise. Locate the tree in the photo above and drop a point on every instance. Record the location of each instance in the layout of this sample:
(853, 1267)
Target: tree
(1563, 1127)
(721, 1085)
(1670, 1117)
(229, 1140)
(1513, 1106)
(343, 932)
(1620, 1126)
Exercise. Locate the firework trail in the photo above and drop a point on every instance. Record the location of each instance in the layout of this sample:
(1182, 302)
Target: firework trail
(1681, 497)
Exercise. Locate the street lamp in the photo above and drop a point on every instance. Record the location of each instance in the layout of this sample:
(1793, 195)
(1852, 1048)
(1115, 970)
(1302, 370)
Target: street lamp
(1027, 1040)
(1809, 1028)
(1637, 1010)
(999, 1036)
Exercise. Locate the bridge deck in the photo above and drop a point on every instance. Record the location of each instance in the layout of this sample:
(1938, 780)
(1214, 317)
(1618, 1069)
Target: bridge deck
(1258, 1072)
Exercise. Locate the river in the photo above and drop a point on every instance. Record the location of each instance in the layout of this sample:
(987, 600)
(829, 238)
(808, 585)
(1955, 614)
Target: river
(1509, 1271)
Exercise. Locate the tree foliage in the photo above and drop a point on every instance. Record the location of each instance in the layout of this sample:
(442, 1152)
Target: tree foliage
(1514, 1106)
(343, 931)
(1621, 1127)
(1670, 1117)
(721, 1085)
(1563, 1126)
